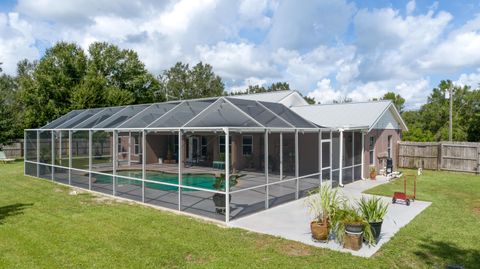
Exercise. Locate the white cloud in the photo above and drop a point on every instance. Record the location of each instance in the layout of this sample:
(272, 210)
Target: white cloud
(415, 91)
(79, 13)
(236, 61)
(410, 7)
(253, 13)
(17, 41)
(303, 71)
(461, 46)
(250, 81)
(307, 44)
(472, 79)
(324, 92)
(306, 24)
(391, 44)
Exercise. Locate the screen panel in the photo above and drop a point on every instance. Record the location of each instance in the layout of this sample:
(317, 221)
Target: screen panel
(121, 116)
(259, 113)
(149, 115)
(182, 113)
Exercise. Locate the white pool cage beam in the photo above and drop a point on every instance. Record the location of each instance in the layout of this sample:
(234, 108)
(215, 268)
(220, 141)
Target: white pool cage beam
(227, 175)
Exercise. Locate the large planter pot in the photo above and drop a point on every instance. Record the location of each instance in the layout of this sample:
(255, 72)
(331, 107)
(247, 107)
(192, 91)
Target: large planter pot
(319, 230)
(353, 241)
(354, 228)
(376, 228)
(373, 175)
(219, 199)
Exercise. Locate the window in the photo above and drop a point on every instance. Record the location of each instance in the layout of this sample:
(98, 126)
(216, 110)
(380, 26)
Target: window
(136, 144)
(371, 151)
(203, 149)
(247, 145)
(221, 144)
(119, 145)
(389, 146)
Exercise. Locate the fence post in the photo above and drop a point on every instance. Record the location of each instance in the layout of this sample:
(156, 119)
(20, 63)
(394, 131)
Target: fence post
(440, 156)
(478, 158)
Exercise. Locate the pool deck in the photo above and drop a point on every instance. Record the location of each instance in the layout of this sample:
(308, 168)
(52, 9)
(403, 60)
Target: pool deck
(292, 221)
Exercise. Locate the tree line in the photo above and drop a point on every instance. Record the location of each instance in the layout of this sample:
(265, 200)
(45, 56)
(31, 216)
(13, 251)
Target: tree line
(68, 77)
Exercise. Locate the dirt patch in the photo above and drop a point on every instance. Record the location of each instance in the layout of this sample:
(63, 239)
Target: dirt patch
(295, 249)
(58, 190)
(190, 258)
(100, 199)
(476, 210)
(292, 249)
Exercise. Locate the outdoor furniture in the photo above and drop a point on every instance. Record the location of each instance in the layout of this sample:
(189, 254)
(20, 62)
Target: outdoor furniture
(4, 159)
(218, 165)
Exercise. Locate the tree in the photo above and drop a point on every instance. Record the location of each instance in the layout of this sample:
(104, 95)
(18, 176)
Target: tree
(342, 100)
(67, 78)
(9, 120)
(279, 86)
(182, 82)
(46, 87)
(204, 82)
(114, 77)
(396, 99)
(431, 121)
(122, 70)
(310, 100)
(251, 89)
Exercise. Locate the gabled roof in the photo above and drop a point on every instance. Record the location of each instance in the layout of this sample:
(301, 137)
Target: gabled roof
(208, 113)
(361, 115)
(288, 98)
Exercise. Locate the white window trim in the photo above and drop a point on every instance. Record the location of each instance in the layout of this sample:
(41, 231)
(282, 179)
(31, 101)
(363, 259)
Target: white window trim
(203, 146)
(372, 159)
(222, 146)
(251, 145)
(135, 145)
(389, 146)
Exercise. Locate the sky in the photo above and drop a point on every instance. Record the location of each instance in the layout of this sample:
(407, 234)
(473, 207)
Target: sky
(327, 49)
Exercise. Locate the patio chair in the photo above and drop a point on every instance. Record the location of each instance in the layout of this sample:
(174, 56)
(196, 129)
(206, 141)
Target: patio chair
(4, 159)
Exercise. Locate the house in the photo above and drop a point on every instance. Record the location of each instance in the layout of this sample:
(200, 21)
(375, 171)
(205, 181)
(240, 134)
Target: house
(178, 154)
(379, 122)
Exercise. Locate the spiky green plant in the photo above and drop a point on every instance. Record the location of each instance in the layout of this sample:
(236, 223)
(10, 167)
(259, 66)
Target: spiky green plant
(349, 215)
(324, 203)
(373, 209)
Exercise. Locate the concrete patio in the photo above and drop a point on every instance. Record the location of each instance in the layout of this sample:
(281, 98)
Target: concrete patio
(291, 220)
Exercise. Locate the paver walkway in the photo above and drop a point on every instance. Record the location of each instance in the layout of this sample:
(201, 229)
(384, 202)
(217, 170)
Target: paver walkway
(292, 221)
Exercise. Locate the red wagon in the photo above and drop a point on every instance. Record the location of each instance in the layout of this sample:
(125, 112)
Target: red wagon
(403, 195)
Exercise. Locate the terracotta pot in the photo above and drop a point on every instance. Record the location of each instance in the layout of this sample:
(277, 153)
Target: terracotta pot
(373, 175)
(319, 230)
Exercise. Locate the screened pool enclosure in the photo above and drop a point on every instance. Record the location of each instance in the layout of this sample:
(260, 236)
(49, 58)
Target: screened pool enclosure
(179, 155)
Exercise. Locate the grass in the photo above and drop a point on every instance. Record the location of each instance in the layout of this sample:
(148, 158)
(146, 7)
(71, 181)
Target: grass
(42, 226)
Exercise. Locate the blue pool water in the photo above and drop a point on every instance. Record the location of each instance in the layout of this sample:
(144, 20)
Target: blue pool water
(204, 181)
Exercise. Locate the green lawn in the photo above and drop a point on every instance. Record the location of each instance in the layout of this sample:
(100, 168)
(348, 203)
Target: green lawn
(42, 226)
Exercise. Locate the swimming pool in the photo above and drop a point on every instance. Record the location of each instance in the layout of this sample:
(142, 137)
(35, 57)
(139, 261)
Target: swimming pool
(204, 181)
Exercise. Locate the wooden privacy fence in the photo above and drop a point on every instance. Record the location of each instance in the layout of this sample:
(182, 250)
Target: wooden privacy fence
(79, 147)
(451, 156)
(14, 150)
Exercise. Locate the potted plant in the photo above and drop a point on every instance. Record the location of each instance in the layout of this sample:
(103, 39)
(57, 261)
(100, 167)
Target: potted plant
(323, 205)
(249, 161)
(351, 228)
(373, 211)
(219, 199)
(373, 172)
